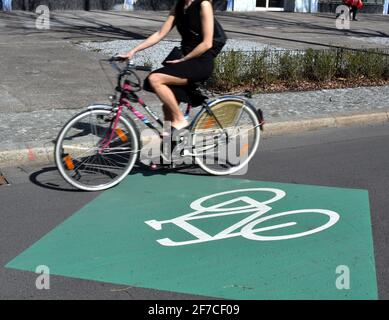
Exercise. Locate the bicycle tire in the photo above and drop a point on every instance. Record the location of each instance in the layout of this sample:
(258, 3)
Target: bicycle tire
(132, 135)
(200, 121)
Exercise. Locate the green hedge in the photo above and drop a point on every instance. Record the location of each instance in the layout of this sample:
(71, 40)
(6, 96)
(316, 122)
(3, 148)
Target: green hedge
(267, 67)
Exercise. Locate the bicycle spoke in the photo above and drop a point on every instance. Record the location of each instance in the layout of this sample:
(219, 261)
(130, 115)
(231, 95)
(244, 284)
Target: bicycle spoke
(82, 163)
(86, 167)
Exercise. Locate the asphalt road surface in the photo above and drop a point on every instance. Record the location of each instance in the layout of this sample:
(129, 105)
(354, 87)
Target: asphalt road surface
(37, 200)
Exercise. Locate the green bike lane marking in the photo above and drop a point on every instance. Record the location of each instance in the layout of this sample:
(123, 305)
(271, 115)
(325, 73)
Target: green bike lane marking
(108, 240)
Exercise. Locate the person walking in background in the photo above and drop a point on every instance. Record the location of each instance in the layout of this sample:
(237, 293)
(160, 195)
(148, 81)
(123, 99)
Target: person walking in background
(354, 6)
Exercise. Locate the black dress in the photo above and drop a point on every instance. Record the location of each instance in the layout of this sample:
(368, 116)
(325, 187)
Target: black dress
(188, 23)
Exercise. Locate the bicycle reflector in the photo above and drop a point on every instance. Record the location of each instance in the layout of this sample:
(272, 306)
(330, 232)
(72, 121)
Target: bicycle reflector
(121, 135)
(3, 180)
(69, 162)
(244, 149)
(209, 123)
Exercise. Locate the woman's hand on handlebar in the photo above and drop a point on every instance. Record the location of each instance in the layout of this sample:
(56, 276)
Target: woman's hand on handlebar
(127, 56)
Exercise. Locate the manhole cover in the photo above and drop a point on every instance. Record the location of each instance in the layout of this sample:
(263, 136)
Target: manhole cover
(3, 180)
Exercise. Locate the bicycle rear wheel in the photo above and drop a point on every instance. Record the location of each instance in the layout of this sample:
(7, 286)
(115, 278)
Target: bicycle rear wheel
(226, 138)
(83, 157)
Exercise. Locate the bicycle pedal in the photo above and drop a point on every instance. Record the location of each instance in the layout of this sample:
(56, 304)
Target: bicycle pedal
(161, 166)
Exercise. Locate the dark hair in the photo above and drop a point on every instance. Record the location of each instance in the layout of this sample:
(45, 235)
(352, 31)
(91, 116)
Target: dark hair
(180, 3)
(179, 7)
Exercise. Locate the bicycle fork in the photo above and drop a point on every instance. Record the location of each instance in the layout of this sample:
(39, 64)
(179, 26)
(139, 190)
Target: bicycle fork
(112, 129)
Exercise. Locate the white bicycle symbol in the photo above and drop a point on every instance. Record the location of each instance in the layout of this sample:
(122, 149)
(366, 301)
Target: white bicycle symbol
(248, 227)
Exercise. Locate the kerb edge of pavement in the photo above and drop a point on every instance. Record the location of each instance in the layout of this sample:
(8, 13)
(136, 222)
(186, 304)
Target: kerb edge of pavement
(44, 154)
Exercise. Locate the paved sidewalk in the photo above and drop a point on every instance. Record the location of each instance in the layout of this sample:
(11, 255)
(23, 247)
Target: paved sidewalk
(30, 135)
(38, 128)
(46, 78)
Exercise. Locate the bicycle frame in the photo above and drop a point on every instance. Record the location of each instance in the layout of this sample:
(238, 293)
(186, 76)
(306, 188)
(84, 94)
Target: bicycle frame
(128, 95)
(110, 139)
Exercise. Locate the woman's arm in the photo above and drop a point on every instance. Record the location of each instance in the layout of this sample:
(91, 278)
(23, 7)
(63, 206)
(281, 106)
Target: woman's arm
(207, 22)
(154, 38)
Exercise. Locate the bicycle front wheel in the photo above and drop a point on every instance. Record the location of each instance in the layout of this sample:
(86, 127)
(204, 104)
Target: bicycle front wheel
(225, 137)
(92, 154)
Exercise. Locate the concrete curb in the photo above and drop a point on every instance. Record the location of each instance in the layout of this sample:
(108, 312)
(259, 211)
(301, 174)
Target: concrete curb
(280, 128)
(45, 154)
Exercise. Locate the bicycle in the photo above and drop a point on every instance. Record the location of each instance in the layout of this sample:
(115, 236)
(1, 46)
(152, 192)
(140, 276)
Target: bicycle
(98, 148)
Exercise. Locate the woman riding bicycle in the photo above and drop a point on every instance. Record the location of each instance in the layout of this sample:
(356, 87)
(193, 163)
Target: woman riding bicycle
(192, 18)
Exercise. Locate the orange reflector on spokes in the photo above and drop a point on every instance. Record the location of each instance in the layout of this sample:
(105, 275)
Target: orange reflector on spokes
(69, 162)
(121, 135)
(209, 123)
(244, 149)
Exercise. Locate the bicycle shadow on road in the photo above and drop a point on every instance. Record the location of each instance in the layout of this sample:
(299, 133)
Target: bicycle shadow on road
(49, 177)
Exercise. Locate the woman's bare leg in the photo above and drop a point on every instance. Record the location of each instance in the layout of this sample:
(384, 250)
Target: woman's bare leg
(167, 117)
(160, 83)
(166, 113)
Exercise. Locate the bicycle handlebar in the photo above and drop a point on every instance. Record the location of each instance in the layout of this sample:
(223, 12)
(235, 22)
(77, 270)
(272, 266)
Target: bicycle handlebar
(130, 64)
(116, 59)
(143, 68)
